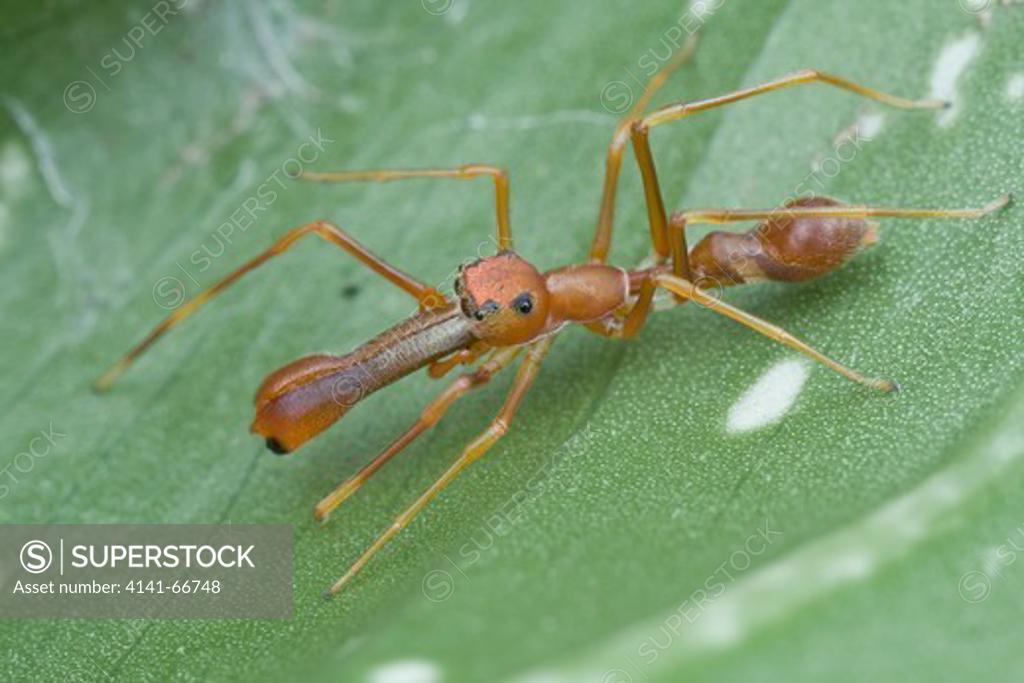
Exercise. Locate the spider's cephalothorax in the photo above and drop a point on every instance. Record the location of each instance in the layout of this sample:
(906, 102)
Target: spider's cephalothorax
(511, 303)
(506, 297)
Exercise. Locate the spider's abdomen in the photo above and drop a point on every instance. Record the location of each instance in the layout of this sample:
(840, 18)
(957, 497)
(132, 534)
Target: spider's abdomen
(305, 397)
(784, 248)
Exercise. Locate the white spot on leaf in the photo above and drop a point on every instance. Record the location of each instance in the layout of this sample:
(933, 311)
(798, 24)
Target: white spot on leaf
(769, 398)
(406, 671)
(1015, 88)
(5, 220)
(457, 12)
(991, 563)
(851, 565)
(869, 125)
(15, 170)
(721, 627)
(954, 59)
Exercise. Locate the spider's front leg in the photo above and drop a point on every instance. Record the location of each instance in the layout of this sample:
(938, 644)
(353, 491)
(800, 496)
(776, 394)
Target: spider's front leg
(464, 172)
(442, 367)
(430, 416)
(474, 451)
(427, 296)
(602, 241)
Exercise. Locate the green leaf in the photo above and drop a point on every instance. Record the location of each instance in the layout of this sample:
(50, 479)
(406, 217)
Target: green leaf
(888, 525)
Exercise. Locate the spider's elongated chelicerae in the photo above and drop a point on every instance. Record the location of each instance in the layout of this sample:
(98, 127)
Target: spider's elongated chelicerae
(505, 308)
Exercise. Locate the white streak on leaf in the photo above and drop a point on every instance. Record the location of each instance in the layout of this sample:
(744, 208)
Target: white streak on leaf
(275, 53)
(43, 149)
(481, 122)
(954, 59)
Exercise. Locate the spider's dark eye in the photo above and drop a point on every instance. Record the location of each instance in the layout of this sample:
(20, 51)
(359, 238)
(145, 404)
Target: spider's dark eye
(488, 307)
(523, 303)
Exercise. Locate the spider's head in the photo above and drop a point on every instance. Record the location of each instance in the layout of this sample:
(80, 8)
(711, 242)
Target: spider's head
(505, 297)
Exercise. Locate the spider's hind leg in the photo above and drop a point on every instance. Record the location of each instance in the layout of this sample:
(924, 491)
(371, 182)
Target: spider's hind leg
(801, 240)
